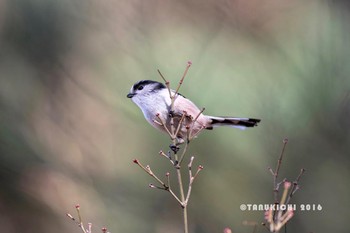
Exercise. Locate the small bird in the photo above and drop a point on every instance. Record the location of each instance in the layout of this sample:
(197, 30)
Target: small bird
(153, 99)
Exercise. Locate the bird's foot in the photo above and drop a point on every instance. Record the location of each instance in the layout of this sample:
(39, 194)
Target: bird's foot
(174, 148)
(171, 114)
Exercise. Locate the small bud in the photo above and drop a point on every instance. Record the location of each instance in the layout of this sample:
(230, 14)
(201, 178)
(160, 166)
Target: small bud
(200, 167)
(136, 161)
(104, 229)
(157, 114)
(285, 140)
(287, 185)
(290, 213)
(266, 214)
(77, 206)
(189, 63)
(152, 186)
(167, 174)
(227, 230)
(187, 127)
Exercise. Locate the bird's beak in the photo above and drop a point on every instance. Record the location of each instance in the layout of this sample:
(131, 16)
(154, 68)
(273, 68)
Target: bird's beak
(130, 95)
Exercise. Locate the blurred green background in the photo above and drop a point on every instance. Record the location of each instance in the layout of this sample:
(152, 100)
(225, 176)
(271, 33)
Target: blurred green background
(68, 134)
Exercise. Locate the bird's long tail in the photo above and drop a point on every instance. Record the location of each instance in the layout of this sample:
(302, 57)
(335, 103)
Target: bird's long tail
(236, 122)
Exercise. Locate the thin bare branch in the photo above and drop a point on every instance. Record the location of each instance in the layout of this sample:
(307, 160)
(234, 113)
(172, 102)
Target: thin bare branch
(182, 154)
(275, 176)
(167, 83)
(179, 126)
(164, 125)
(183, 77)
(190, 137)
(167, 156)
(165, 187)
(295, 186)
(80, 224)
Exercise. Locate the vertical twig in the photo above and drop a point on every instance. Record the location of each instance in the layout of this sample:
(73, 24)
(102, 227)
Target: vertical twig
(191, 178)
(174, 142)
(275, 176)
(177, 158)
(276, 217)
(77, 207)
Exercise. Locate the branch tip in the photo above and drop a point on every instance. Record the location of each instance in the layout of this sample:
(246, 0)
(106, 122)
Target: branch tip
(287, 185)
(70, 216)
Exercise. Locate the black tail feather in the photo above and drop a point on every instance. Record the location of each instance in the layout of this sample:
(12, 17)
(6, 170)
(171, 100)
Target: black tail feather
(233, 121)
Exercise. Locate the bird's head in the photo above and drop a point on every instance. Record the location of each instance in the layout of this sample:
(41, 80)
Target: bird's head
(144, 88)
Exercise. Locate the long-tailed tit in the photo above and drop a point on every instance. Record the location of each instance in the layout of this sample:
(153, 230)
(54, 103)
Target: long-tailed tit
(154, 100)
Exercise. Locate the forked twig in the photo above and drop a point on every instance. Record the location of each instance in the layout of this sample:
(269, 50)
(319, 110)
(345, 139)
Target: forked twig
(164, 187)
(162, 123)
(295, 185)
(80, 224)
(184, 114)
(191, 178)
(278, 218)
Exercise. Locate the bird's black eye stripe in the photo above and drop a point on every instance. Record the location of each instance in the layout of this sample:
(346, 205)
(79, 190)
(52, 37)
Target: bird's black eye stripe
(141, 84)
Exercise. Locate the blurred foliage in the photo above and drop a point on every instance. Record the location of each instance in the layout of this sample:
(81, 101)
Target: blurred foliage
(68, 134)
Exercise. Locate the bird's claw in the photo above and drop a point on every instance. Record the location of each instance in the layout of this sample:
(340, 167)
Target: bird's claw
(174, 148)
(171, 114)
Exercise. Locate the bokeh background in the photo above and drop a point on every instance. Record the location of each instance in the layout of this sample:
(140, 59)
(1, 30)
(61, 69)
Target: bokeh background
(68, 134)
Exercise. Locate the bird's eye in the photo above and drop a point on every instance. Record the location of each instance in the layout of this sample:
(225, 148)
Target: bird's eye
(140, 88)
